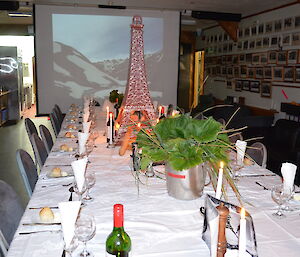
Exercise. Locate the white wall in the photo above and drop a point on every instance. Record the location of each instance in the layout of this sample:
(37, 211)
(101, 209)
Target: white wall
(218, 88)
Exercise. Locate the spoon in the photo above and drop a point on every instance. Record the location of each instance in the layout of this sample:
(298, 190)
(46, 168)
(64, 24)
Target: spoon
(71, 189)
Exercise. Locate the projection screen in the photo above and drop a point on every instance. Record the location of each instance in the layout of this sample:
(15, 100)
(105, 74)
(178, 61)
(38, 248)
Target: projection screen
(85, 51)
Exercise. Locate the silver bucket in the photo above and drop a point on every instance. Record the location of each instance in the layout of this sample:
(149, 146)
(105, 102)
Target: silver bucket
(186, 184)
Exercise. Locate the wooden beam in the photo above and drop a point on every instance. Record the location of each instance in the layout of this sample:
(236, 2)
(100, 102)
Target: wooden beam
(231, 27)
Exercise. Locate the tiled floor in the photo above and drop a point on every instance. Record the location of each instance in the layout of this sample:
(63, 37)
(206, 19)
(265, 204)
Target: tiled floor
(12, 138)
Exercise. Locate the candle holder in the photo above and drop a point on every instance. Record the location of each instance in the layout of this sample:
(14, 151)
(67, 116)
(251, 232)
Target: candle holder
(222, 243)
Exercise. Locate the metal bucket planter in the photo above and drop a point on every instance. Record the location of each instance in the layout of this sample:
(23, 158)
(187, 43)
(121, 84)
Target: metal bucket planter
(186, 184)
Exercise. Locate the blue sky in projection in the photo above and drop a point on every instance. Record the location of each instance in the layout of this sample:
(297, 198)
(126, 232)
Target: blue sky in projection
(104, 37)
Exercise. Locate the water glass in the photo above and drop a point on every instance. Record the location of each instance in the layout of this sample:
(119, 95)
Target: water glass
(77, 191)
(281, 195)
(90, 180)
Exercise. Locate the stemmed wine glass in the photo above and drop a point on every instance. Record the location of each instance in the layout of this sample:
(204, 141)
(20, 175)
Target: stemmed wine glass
(90, 180)
(85, 228)
(79, 192)
(281, 195)
(71, 248)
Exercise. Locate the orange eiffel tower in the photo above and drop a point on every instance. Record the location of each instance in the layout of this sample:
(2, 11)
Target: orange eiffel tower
(137, 97)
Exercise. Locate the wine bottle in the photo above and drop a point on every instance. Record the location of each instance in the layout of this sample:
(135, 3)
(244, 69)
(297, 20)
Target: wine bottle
(118, 243)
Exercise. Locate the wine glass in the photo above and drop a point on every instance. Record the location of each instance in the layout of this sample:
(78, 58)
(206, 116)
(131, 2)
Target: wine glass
(90, 180)
(79, 192)
(71, 248)
(85, 228)
(281, 195)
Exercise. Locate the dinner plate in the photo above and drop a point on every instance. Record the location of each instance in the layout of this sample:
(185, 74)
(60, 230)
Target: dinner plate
(65, 170)
(35, 217)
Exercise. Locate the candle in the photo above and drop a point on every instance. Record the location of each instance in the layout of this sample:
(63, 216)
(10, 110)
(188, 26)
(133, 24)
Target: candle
(117, 126)
(111, 128)
(220, 180)
(139, 125)
(242, 237)
(173, 113)
(107, 114)
(157, 120)
(159, 111)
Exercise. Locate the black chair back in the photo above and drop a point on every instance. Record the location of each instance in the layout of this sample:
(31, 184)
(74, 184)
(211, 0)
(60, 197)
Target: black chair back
(39, 149)
(46, 137)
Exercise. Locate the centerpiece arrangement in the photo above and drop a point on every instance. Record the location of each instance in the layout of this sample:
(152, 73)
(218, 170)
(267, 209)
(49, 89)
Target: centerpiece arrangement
(191, 148)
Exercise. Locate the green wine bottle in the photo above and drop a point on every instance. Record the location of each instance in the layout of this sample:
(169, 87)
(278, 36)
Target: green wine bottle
(118, 242)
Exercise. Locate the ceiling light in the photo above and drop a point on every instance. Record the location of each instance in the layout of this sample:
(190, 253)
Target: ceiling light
(19, 14)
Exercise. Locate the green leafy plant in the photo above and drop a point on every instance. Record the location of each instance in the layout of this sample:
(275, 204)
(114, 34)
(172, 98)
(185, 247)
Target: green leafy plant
(115, 96)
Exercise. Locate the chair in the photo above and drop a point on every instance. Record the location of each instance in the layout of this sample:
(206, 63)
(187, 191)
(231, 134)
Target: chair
(11, 212)
(235, 136)
(3, 245)
(222, 121)
(30, 127)
(39, 149)
(59, 113)
(27, 169)
(46, 137)
(54, 123)
(258, 152)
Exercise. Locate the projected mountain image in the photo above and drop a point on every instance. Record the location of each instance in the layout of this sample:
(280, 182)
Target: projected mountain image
(97, 78)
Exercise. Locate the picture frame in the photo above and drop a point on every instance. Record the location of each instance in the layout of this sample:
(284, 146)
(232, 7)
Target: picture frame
(236, 71)
(245, 45)
(288, 23)
(281, 57)
(274, 41)
(253, 30)
(252, 44)
(286, 40)
(258, 43)
(242, 58)
(261, 28)
(229, 71)
(297, 74)
(266, 42)
(267, 72)
(269, 27)
(264, 58)
(249, 58)
(297, 22)
(245, 85)
(247, 32)
(292, 56)
(238, 85)
(277, 73)
(251, 72)
(288, 74)
(243, 71)
(259, 72)
(256, 58)
(295, 39)
(272, 57)
(277, 25)
(266, 89)
(235, 59)
(255, 86)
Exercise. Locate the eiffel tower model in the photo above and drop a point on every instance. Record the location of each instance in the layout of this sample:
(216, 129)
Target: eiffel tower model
(137, 97)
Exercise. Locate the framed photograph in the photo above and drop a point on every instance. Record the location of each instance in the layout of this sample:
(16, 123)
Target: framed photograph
(242, 58)
(224, 58)
(295, 39)
(216, 38)
(281, 57)
(266, 42)
(259, 73)
(248, 58)
(236, 71)
(288, 23)
(286, 39)
(251, 44)
(292, 56)
(297, 74)
(274, 41)
(225, 37)
(218, 70)
(267, 72)
(230, 47)
(219, 49)
(261, 28)
(238, 85)
(245, 85)
(272, 57)
(220, 39)
(277, 73)
(225, 48)
(269, 27)
(253, 30)
(297, 21)
(229, 84)
(214, 71)
(224, 71)
(241, 33)
(263, 58)
(255, 86)
(229, 59)
(245, 45)
(251, 72)
(240, 45)
(256, 58)
(229, 71)
(243, 71)
(266, 87)
(258, 43)
(288, 74)
(278, 25)
(247, 32)
(235, 59)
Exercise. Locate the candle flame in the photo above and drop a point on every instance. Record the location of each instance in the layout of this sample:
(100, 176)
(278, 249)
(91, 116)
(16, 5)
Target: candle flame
(110, 114)
(117, 126)
(139, 125)
(221, 165)
(243, 213)
(157, 120)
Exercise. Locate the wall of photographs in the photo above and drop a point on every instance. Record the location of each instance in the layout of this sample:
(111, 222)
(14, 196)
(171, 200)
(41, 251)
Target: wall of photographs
(265, 58)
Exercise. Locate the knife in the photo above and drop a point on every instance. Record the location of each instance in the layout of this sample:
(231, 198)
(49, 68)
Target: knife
(34, 232)
(36, 208)
(42, 224)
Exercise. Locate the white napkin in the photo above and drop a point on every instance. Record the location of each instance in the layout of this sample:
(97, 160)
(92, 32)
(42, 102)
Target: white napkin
(82, 138)
(86, 114)
(79, 168)
(240, 151)
(86, 126)
(288, 172)
(235, 253)
(68, 213)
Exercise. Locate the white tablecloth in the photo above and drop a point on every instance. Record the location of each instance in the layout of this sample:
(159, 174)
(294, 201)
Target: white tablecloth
(159, 226)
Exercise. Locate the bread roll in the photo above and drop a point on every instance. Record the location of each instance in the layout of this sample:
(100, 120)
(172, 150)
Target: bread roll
(64, 148)
(46, 214)
(56, 172)
(71, 126)
(69, 135)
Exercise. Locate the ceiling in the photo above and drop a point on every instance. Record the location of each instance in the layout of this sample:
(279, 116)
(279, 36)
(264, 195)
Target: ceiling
(245, 7)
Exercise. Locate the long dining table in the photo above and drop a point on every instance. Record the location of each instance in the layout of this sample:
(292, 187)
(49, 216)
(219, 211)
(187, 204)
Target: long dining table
(159, 225)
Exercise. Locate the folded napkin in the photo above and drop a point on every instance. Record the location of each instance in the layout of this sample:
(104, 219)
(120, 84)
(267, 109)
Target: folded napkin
(79, 168)
(86, 114)
(86, 126)
(211, 227)
(288, 172)
(235, 253)
(82, 139)
(68, 213)
(240, 151)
